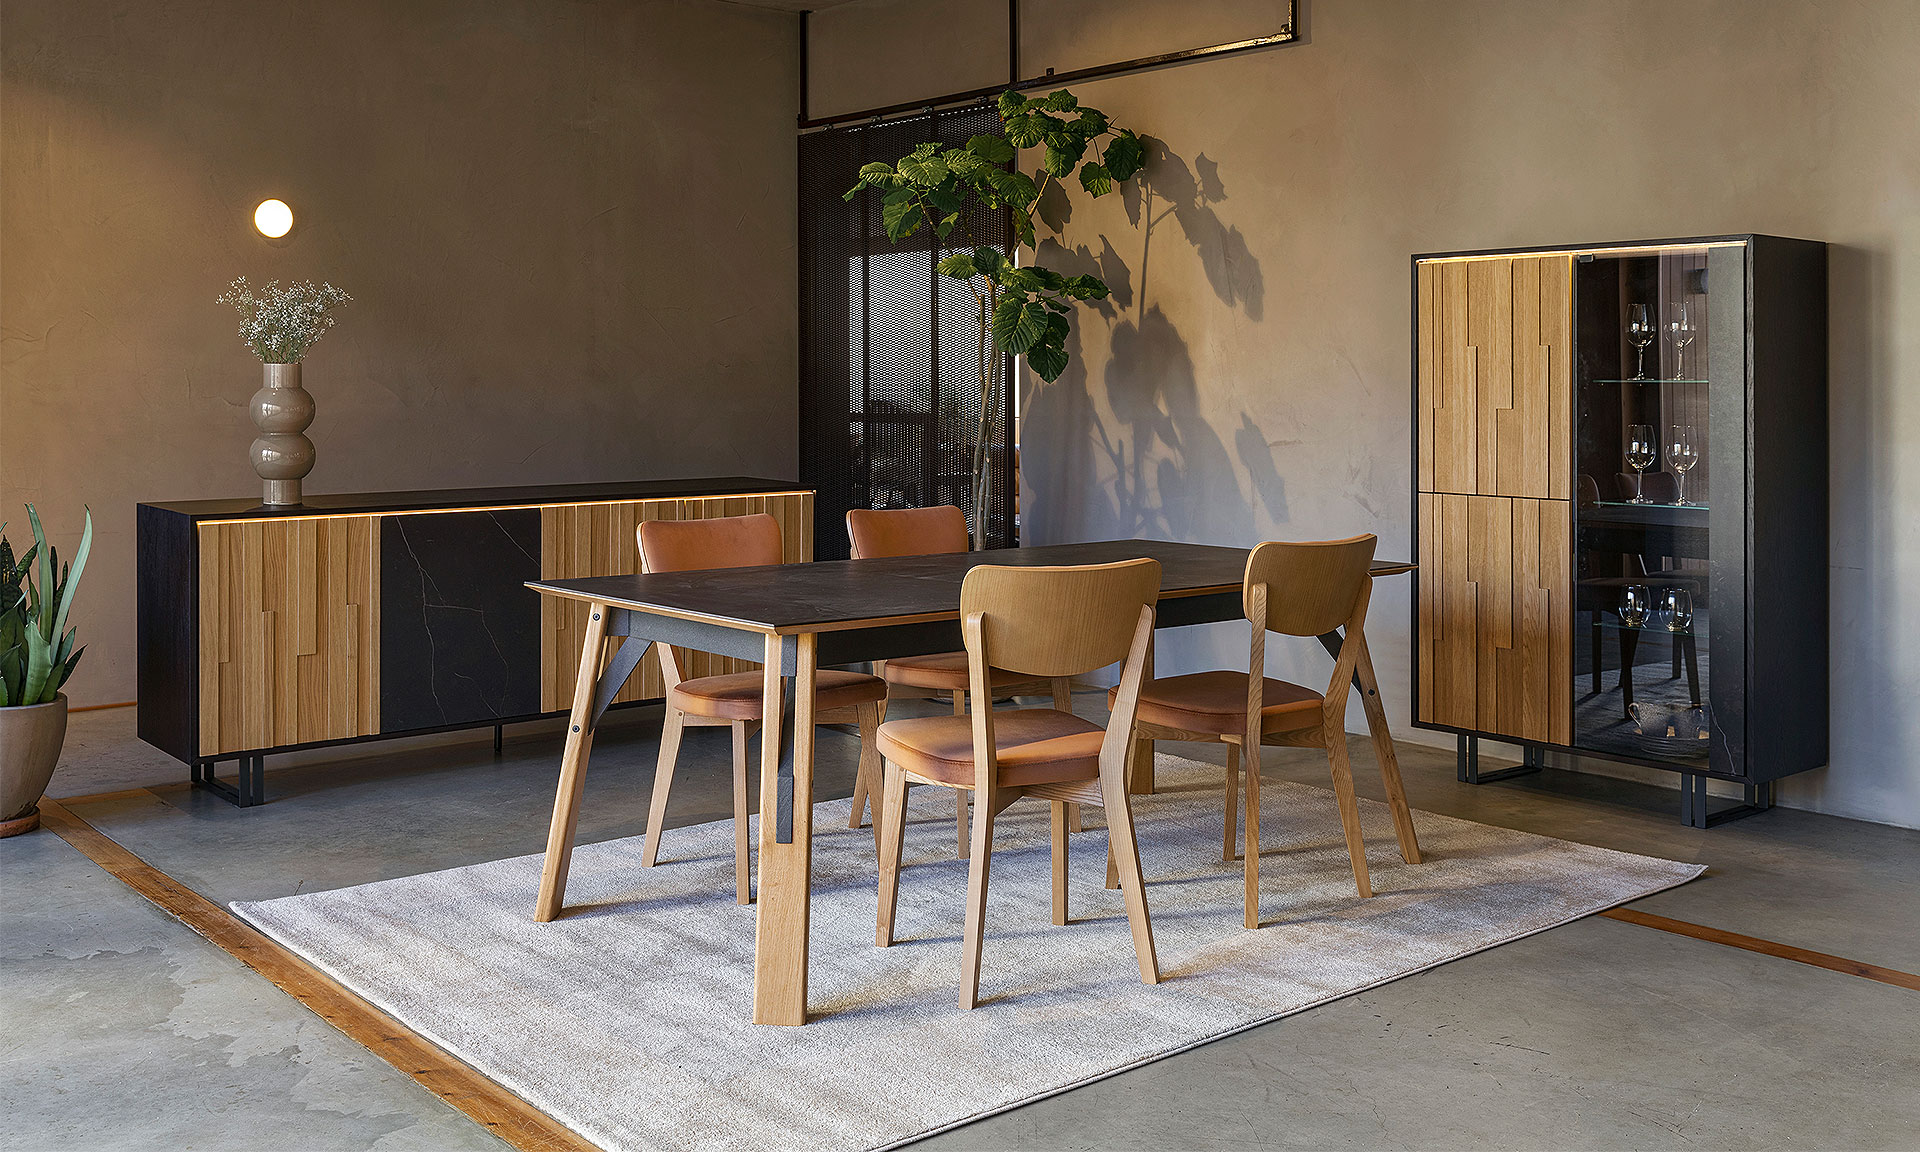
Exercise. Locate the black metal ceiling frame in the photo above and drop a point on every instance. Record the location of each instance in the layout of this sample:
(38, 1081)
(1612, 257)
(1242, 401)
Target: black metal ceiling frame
(1286, 34)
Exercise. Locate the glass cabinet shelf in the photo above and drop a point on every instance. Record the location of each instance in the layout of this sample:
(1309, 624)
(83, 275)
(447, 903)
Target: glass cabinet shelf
(1650, 380)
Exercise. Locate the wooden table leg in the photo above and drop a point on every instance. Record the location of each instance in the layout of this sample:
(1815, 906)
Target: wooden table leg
(1383, 751)
(573, 768)
(786, 869)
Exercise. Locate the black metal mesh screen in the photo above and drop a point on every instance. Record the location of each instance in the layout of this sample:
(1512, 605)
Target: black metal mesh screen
(889, 392)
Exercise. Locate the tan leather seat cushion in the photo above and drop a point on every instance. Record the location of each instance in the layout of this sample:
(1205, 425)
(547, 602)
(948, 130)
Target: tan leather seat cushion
(1036, 746)
(1216, 703)
(946, 671)
(737, 696)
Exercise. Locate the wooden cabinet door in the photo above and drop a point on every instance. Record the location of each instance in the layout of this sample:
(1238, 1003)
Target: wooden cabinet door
(579, 540)
(289, 632)
(1495, 616)
(1496, 376)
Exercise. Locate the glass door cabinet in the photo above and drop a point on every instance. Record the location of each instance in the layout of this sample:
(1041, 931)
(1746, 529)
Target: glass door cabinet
(1620, 460)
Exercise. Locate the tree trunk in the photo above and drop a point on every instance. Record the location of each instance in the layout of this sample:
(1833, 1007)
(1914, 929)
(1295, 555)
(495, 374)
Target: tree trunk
(981, 477)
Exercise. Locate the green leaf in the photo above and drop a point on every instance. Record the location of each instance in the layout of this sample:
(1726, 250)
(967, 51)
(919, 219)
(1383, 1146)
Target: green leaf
(1096, 179)
(1048, 279)
(946, 198)
(39, 668)
(992, 149)
(1023, 228)
(1124, 156)
(1048, 359)
(1010, 102)
(988, 260)
(1061, 101)
(1092, 122)
(1086, 288)
(1021, 280)
(901, 217)
(71, 580)
(926, 171)
(959, 266)
(1026, 130)
(961, 162)
(1017, 323)
(61, 673)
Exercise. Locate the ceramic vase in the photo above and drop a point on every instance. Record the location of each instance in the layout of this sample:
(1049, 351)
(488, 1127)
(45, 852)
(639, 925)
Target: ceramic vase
(30, 741)
(282, 454)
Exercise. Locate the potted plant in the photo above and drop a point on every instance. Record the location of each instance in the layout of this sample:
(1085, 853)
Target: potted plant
(37, 654)
(1022, 309)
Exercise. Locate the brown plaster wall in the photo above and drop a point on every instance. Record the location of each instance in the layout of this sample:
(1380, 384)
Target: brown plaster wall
(568, 227)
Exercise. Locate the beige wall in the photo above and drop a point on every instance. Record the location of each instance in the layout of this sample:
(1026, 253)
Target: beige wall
(568, 227)
(1251, 376)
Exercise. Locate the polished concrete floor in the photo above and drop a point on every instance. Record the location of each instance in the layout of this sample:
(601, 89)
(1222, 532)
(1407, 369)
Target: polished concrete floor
(126, 1030)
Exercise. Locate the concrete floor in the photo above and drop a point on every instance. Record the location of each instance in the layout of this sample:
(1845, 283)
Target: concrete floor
(126, 1030)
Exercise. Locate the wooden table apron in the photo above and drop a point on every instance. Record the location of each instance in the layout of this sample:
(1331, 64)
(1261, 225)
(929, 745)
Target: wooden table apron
(793, 643)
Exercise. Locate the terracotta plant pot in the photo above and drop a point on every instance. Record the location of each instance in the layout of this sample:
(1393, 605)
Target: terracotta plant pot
(30, 740)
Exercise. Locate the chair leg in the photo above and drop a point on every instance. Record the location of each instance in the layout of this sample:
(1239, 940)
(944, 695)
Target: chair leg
(1063, 702)
(1060, 861)
(1232, 850)
(891, 819)
(1336, 738)
(960, 794)
(742, 853)
(1251, 867)
(1126, 850)
(1673, 656)
(866, 783)
(976, 924)
(662, 783)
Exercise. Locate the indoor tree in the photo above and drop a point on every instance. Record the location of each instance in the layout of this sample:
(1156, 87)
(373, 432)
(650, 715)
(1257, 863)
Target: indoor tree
(1022, 310)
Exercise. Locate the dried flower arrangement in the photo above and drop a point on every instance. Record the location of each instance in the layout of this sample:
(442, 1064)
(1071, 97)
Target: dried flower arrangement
(282, 323)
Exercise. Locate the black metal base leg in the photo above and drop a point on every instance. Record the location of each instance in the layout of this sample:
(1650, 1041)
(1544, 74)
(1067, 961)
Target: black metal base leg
(1693, 802)
(1467, 763)
(248, 789)
(498, 730)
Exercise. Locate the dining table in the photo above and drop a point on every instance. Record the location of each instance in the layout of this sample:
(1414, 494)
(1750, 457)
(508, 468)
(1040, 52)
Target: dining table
(798, 618)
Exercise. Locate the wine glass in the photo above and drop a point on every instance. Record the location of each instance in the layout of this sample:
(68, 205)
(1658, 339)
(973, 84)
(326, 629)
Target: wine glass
(1636, 600)
(1680, 331)
(1640, 331)
(1642, 452)
(1677, 604)
(1682, 455)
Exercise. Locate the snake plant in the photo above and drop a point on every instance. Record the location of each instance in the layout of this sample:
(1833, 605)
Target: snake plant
(36, 646)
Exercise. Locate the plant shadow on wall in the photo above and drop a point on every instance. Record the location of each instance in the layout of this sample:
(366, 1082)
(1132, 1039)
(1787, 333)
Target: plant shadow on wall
(1159, 467)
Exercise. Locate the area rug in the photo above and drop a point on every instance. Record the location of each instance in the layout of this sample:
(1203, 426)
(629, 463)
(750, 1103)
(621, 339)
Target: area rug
(627, 1019)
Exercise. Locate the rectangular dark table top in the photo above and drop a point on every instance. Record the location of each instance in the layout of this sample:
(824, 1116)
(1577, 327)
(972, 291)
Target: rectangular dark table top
(449, 499)
(834, 595)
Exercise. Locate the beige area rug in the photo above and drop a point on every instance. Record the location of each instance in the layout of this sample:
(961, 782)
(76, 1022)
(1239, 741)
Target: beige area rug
(627, 1019)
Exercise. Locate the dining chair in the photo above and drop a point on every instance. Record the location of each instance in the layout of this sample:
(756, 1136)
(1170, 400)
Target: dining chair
(1296, 589)
(734, 700)
(940, 530)
(1041, 623)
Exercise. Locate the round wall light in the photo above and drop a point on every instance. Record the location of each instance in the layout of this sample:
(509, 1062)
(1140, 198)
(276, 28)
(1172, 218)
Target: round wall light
(273, 218)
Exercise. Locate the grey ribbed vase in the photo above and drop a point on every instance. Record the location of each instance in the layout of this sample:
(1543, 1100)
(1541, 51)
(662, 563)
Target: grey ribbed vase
(281, 454)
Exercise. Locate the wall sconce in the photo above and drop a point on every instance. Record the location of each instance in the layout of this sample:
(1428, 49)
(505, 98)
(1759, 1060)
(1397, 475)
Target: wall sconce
(273, 218)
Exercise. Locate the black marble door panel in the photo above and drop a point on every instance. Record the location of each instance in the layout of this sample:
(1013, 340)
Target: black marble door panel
(459, 634)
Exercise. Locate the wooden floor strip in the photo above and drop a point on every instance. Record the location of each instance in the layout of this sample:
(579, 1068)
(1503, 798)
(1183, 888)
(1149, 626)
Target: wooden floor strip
(487, 1103)
(1767, 947)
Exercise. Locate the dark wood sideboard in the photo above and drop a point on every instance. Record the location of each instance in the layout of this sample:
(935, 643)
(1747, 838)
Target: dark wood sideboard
(364, 616)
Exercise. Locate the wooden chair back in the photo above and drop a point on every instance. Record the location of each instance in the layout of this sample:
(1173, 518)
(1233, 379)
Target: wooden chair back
(1312, 587)
(1059, 621)
(722, 542)
(877, 532)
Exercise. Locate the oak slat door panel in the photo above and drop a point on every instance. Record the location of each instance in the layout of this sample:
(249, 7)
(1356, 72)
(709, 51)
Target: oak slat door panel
(1519, 557)
(1448, 388)
(289, 632)
(579, 540)
(1448, 628)
(1526, 424)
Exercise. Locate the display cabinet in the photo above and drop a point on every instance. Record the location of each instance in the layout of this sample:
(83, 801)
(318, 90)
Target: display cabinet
(1621, 506)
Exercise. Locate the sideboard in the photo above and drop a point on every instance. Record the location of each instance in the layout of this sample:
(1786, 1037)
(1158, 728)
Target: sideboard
(363, 616)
